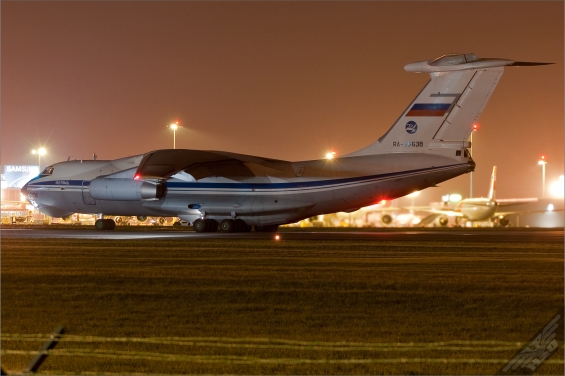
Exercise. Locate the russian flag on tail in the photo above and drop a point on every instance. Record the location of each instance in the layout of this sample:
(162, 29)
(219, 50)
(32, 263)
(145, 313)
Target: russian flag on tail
(428, 109)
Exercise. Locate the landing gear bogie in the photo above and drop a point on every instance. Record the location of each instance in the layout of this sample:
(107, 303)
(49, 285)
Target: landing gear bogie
(228, 225)
(241, 226)
(104, 224)
(205, 225)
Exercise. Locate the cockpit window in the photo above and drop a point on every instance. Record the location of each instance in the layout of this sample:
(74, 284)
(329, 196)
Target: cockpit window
(467, 154)
(47, 171)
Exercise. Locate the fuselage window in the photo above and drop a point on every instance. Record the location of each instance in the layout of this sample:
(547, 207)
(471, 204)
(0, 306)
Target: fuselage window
(458, 153)
(47, 171)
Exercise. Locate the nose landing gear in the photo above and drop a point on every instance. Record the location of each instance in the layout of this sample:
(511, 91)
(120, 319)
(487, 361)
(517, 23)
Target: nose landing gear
(104, 224)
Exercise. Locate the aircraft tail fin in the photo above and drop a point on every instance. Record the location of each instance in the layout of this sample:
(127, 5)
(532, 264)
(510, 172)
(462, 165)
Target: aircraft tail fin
(442, 115)
(492, 188)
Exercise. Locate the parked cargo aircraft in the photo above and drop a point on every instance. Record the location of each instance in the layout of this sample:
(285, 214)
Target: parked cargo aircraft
(479, 209)
(425, 146)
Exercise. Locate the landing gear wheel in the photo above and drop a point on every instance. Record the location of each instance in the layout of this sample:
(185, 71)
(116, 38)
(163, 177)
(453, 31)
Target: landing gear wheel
(104, 224)
(504, 222)
(228, 225)
(241, 226)
(199, 225)
(211, 225)
(101, 225)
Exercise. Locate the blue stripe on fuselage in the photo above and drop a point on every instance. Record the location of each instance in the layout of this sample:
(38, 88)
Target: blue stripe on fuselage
(289, 185)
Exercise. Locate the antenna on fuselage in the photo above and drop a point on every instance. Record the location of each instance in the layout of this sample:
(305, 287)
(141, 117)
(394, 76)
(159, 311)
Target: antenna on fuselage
(68, 159)
(94, 156)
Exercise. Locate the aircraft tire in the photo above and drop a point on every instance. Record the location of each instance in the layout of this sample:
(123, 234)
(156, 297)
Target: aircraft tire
(241, 226)
(199, 225)
(443, 221)
(504, 222)
(111, 224)
(141, 218)
(211, 225)
(228, 225)
(101, 225)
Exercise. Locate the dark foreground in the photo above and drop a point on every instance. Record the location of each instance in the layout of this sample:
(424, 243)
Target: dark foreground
(257, 306)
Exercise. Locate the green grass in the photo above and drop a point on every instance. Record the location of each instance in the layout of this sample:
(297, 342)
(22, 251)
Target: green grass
(371, 292)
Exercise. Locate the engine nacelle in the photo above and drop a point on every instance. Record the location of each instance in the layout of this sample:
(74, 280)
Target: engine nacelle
(126, 189)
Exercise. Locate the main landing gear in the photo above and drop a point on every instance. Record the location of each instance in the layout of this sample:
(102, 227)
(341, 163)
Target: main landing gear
(228, 225)
(104, 224)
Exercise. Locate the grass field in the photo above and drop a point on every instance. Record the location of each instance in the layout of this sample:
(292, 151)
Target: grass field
(263, 307)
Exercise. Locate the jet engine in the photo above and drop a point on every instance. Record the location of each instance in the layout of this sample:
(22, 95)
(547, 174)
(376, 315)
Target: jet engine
(443, 221)
(126, 189)
(386, 219)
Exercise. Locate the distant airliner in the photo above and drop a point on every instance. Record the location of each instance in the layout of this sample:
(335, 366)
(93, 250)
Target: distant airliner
(425, 146)
(479, 209)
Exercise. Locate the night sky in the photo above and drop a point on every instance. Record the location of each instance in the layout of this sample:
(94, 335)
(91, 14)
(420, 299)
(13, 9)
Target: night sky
(288, 80)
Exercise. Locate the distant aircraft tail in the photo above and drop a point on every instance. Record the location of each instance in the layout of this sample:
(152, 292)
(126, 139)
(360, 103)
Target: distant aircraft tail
(442, 115)
(492, 188)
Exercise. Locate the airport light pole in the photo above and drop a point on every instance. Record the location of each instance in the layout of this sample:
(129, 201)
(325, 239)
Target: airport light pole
(475, 128)
(542, 162)
(39, 152)
(174, 127)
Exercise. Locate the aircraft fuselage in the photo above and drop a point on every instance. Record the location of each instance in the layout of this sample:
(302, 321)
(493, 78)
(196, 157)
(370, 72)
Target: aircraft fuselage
(291, 191)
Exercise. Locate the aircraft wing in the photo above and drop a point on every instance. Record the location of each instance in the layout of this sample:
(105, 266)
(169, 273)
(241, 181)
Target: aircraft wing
(522, 212)
(446, 212)
(434, 214)
(163, 164)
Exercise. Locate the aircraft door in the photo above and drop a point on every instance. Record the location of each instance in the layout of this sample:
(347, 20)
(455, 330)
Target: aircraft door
(86, 197)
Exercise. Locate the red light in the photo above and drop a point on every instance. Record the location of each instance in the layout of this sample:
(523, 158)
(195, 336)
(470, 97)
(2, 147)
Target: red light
(136, 177)
(475, 127)
(543, 157)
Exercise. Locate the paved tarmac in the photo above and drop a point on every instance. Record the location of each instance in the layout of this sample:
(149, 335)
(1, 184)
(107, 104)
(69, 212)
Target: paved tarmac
(514, 235)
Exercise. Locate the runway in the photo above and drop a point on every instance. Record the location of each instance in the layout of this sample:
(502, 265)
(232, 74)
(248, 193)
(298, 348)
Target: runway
(550, 236)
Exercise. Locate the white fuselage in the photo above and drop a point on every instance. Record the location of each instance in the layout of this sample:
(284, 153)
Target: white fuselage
(311, 188)
(477, 209)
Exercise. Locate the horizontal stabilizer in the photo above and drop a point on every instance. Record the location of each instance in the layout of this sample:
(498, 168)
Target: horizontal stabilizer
(527, 64)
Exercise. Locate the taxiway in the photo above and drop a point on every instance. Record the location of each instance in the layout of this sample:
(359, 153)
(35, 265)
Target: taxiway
(472, 235)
